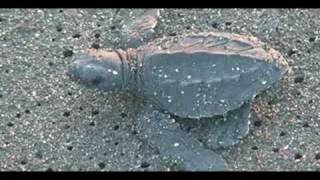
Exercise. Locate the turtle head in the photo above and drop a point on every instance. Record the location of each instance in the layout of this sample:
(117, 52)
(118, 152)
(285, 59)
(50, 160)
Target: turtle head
(102, 72)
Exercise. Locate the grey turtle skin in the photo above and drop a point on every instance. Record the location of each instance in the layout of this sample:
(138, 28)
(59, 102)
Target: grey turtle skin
(204, 81)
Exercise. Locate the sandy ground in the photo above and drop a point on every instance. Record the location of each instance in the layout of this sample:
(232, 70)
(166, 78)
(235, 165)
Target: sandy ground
(49, 123)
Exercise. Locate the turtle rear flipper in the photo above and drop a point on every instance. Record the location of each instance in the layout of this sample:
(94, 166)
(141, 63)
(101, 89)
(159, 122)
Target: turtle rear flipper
(220, 132)
(176, 147)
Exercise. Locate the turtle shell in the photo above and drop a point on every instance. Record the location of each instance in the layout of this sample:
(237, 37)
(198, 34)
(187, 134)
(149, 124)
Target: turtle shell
(207, 74)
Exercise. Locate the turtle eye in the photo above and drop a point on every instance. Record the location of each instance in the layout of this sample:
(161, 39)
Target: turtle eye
(93, 74)
(96, 81)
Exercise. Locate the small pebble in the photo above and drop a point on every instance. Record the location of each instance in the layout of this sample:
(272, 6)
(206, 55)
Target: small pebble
(66, 114)
(97, 35)
(95, 45)
(312, 39)
(298, 79)
(257, 123)
(228, 23)
(275, 150)
(215, 25)
(297, 156)
(282, 133)
(291, 52)
(172, 34)
(69, 148)
(59, 28)
(18, 115)
(102, 165)
(77, 35)
(67, 53)
(116, 127)
(95, 112)
(123, 115)
(144, 165)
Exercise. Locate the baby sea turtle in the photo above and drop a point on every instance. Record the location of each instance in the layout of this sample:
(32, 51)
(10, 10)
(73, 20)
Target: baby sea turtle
(205, 80)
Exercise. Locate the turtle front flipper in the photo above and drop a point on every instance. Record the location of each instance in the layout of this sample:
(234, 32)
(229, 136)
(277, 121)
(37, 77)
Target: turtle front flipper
(220, 132)
(140, 29)
(176, 147)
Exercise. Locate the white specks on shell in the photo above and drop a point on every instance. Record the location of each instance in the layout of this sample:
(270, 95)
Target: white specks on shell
(177, 70)
(182, 92)
(165, 76)
(237, 68)
(222, 100)
(213, 65)
(89, 66)
(109, 70)
(263, 82)
(224, 117)
(154, 93)
(115, 72)
(176, 144)
(189, 76)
